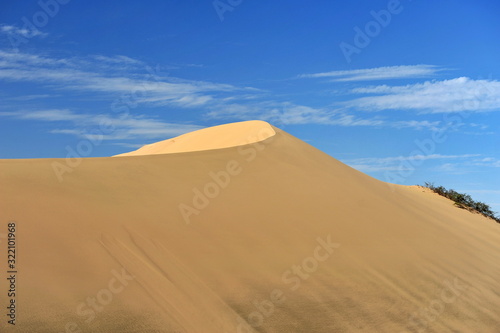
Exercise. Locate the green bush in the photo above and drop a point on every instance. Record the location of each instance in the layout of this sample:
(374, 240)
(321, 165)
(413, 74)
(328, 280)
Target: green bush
(464, 201)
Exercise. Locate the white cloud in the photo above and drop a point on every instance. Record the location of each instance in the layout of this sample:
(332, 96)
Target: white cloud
(395, 163)
(293, 114)
(109, 126)
(130, 83)
(487, 162)
(80, 75)
(379, 73)
(455, 95)
(484, 192)
(290, 114)
(118, 59)
(28, 97)
(385, 160)
(416, 124)
(49, 115)
(12, 30)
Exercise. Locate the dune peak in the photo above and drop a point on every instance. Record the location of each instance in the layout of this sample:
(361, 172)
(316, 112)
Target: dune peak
(210, 138)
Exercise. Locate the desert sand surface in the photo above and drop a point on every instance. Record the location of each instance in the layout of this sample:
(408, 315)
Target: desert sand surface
(216, 137)
(259, 232)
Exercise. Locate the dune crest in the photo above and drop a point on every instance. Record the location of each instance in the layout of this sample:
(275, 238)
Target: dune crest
(222, 136)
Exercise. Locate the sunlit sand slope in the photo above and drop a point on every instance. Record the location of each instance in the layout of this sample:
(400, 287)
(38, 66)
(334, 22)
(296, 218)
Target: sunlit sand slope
(222, 136)
(271, 236)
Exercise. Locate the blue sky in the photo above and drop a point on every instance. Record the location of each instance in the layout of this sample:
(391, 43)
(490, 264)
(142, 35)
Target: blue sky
(406, 91)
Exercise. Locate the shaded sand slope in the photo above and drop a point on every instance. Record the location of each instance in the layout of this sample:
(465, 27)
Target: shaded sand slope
(288, 240)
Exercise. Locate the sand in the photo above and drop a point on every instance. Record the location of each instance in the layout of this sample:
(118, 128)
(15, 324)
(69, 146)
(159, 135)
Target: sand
(200, 234)
(217, 137)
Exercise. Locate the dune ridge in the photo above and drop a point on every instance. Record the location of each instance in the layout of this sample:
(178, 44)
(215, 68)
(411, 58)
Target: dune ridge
(281, 238)
(217, 137)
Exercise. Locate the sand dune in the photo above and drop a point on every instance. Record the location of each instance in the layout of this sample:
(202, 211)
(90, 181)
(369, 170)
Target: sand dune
(223, 230)
(222, 136)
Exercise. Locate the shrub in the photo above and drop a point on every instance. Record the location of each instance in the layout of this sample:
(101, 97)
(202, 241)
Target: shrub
(464, 201)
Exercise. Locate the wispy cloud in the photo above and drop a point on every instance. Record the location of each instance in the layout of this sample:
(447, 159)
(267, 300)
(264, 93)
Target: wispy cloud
(379, 73)
(468, 164)
(118, 59)
(395, 163)
(46, 115)
(78, 75)
(134, 127)
(28, 97)
(483, 191)
(129, 82)
(487, 162)
(455, 95)
(288, 113)
(11, 30)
